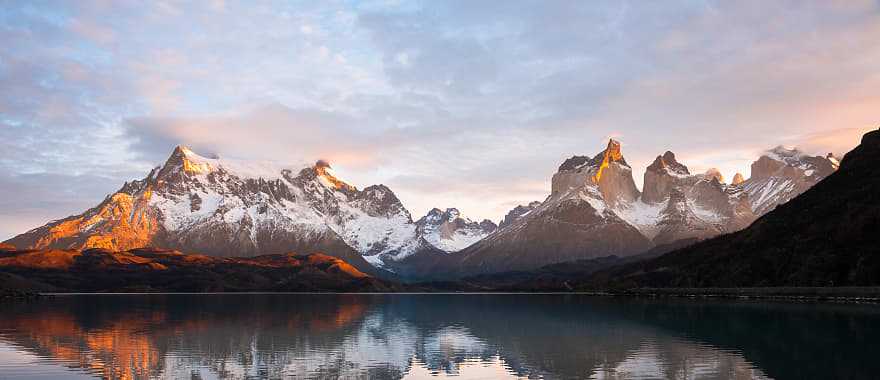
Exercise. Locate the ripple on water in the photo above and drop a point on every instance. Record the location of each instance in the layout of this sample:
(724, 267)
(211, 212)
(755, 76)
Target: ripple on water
(427, 337)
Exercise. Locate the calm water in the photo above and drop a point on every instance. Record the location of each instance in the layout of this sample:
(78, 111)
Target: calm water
(432, 337)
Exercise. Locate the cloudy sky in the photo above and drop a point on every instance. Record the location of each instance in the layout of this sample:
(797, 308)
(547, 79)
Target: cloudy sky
(469, 104)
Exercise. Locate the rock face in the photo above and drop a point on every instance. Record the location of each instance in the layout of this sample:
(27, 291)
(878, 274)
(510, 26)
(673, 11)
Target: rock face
(518, 212)
(449, 231)
(232, 208)
(608, 171)
(577, 221)
(737, 179)
(826, 236)
(595, 210)
(782, 174)
(662, 176)
(676, 204)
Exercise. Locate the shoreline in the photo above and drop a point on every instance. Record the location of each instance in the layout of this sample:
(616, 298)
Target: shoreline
(831, 294)
(820, 294)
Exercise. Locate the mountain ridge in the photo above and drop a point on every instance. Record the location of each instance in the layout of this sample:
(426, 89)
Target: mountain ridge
(239, 208)
(825, 236)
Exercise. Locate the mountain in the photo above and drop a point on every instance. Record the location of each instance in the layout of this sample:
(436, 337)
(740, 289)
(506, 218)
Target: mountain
(575, 222)
(678, 205)
(554, 277)
(449, 231)
(595, 210)
(517, 212)
(826, 236)
(781, 174)
(151, 270)
(225, 208)
(228, 208)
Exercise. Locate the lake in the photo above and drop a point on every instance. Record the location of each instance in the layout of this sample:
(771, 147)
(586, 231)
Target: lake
(433, 336)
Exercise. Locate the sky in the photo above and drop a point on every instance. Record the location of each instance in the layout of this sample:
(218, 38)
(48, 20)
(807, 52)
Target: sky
(467, 104)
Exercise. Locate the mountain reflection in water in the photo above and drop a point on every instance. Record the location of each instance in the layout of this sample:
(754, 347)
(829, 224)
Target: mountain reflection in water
(432, 336)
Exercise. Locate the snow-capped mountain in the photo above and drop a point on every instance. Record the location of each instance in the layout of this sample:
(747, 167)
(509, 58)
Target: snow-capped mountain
(577, 221)
(781, 174)
(234, 208)
(676, 204)
(594, 209)
(224, 207)
(449, 231)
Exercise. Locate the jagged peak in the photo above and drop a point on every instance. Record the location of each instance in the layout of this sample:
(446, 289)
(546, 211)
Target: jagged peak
(379, 190)
(183, 159)
(327, 177)
(322, 164)
(783, 151)
(714, 174)
(448, 214)
(575, 162)
(611, 154)
(738, 178)
(184, 150)
(786, 162)
(613, 150)
(668, 164)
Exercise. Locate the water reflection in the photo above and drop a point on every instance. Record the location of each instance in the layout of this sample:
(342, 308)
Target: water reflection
(432, 336)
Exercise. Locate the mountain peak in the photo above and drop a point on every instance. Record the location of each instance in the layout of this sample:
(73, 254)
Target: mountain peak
(322, 164)
(668, 164)
(183, 159)
(714, 174)
(866, 154)
(450, 231)
(780, 152)
(327, 177)
(517, 212)
(661, 176)
(611, 154)
(613, 150)
(183, 150)
(738, 179)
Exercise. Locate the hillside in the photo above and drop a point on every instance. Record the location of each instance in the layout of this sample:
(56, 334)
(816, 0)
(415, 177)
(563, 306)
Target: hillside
(155, 270)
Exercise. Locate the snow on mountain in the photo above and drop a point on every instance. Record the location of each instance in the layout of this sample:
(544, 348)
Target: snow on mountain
(594, 209)
(226, 207)
(449, 231)
(576, 221)
(676, 204)
(781, 174)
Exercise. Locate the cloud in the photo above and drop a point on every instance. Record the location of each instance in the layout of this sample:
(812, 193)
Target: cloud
(451, 104)
(272, 132)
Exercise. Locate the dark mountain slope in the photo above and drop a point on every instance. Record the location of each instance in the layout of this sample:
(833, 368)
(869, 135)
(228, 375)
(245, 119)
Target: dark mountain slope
(157, 270)
(559, 277)
(827, 236)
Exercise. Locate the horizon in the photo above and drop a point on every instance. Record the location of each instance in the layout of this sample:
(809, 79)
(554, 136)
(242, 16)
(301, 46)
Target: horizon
(428, 98)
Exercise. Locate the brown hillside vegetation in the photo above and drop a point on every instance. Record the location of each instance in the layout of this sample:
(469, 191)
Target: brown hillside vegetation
(149, 270)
